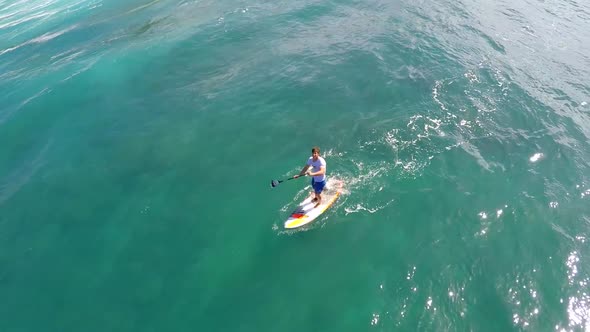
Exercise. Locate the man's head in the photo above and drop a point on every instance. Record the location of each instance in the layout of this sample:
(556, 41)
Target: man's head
(315, 153)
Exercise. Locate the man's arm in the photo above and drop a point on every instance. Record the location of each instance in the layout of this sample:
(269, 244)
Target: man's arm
(320, 172)
(303, 171)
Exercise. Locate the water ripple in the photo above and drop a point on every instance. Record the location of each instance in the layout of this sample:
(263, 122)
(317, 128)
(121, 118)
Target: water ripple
(22, 174)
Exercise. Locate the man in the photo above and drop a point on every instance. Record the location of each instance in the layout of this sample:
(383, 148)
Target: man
(318, 173)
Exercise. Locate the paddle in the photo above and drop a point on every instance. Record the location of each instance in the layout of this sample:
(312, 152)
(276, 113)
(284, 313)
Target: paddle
(275, 183)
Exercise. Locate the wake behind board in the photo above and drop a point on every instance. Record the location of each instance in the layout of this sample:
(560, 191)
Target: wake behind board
(306, 212)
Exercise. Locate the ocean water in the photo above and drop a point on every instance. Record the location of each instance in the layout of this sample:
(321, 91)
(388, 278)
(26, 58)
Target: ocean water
(138, 140)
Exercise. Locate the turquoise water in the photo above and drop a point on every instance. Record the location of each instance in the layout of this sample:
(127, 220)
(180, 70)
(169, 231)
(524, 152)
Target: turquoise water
(138, 140)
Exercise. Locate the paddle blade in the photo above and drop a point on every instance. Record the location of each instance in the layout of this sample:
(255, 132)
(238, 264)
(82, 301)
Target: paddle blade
(274, 183)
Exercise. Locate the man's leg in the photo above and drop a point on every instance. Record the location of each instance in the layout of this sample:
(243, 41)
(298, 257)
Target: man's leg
(318, 199)
(313, 193)
(318, 196)
(318, 187)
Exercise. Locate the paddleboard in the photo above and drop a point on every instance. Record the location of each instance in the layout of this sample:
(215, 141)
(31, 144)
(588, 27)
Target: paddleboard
(307, 212)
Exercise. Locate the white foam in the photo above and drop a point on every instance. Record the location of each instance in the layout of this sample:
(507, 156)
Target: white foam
(536, 157)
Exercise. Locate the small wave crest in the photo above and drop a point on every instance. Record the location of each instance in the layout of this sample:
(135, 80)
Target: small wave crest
(40, 39)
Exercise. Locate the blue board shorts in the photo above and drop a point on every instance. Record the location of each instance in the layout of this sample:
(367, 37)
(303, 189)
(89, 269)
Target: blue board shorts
(318, 186)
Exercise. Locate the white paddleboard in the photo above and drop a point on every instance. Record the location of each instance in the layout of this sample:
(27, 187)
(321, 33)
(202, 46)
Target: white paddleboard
(307, 212)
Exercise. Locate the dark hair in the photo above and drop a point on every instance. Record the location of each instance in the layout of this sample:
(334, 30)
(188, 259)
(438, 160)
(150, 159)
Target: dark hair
(315, 149)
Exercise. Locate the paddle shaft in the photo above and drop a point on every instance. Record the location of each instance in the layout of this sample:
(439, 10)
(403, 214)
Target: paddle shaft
(275, 183)
(291, 178)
